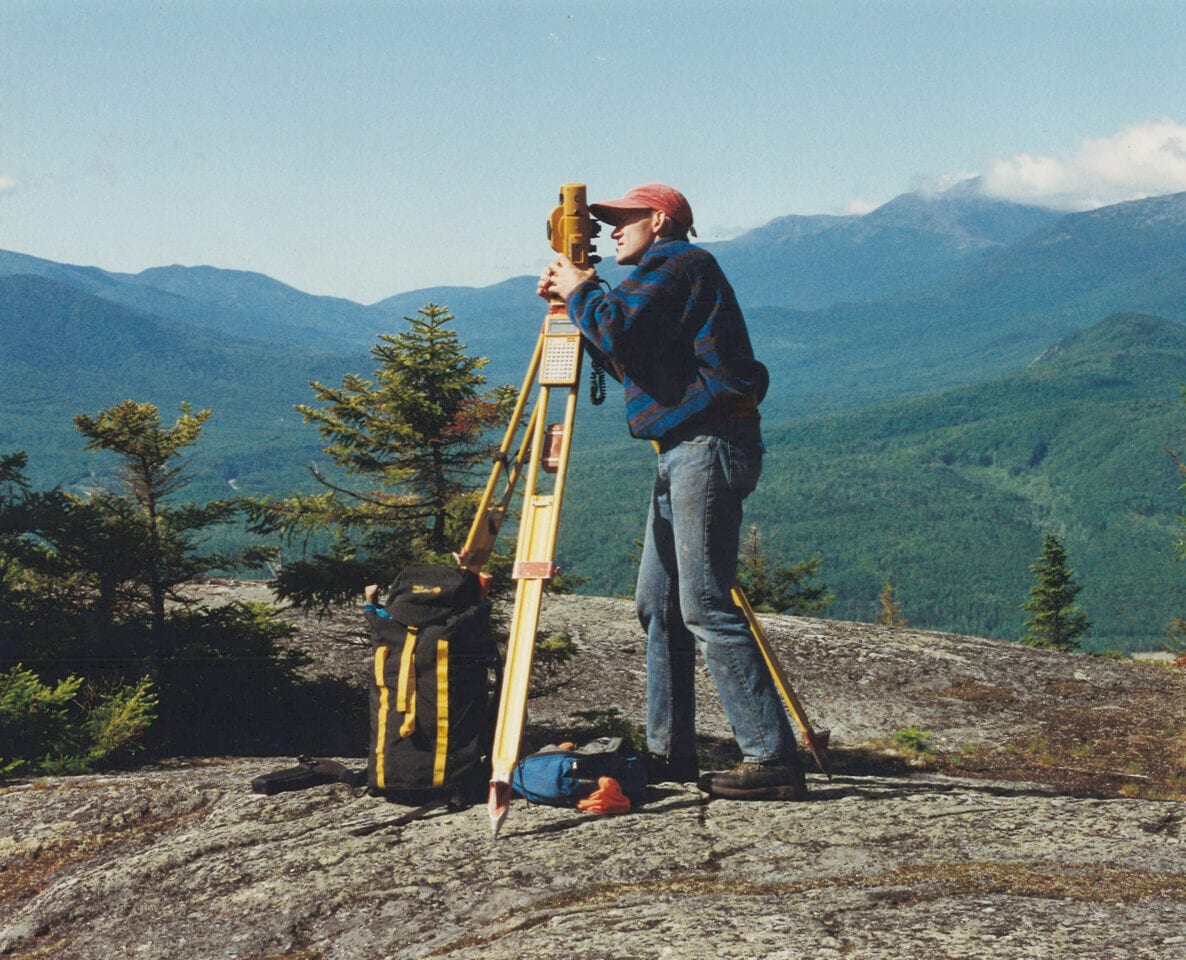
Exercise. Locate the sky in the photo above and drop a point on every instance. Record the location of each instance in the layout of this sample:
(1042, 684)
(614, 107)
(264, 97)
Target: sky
(363, 149)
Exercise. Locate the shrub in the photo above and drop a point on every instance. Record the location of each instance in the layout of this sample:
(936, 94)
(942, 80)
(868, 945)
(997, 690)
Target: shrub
(50, 729)
(913, 740)
(552, 653)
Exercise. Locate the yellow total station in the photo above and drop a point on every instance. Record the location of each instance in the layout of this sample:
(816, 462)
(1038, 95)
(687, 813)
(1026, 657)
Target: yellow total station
(571, 228)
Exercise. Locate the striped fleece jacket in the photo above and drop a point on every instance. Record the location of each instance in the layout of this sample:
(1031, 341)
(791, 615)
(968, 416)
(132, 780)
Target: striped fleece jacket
(674, 327)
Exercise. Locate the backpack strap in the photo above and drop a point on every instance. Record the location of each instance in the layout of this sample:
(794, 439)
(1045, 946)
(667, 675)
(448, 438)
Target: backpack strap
(405, 701)
(309, 772)
(380, 678)
(442, 746)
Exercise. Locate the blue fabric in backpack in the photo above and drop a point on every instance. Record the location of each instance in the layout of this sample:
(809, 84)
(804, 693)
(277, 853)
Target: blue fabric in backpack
(560, 777)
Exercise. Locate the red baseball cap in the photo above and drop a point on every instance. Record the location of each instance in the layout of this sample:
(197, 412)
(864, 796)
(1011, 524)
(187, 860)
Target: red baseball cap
(650, 196)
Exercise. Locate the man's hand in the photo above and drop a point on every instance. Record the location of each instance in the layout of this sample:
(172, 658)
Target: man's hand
(562, 278)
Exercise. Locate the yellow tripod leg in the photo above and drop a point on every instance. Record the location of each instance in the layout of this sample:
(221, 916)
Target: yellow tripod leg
(512, 704)
(558, 361)
(489, 516)
(534, 565)
(817, 741)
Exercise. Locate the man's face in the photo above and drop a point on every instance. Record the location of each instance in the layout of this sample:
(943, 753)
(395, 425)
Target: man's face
(634, 233)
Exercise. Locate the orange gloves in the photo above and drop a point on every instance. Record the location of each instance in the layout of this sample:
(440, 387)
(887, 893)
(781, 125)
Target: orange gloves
(607, 798)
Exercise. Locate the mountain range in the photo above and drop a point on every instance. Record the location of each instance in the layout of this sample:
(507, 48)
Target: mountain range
(1036, 327)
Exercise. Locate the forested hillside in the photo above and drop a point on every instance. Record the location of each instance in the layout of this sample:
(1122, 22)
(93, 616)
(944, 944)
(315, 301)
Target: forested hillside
(65, 352)
(911, 433)
(949, 494)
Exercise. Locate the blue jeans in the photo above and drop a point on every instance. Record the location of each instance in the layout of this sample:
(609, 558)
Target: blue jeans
(683, 596)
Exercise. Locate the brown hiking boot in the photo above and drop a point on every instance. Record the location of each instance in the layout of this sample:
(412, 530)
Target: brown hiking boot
(773, 780)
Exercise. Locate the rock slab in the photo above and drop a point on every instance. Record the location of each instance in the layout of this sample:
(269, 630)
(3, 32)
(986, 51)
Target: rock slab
(181, 860)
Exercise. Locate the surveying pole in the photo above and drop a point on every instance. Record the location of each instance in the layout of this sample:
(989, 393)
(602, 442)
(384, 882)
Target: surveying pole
(555, 366)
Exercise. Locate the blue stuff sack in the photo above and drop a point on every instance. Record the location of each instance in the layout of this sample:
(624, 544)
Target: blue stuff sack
(562, 776)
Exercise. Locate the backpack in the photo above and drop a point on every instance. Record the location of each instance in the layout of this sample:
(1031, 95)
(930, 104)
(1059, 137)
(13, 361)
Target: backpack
(561, 776)
(434, 686)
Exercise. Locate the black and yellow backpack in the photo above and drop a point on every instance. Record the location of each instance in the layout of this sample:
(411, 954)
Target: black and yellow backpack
(434, 687)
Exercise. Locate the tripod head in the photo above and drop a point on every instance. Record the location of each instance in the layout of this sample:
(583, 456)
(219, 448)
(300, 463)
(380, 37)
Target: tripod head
(571, 228)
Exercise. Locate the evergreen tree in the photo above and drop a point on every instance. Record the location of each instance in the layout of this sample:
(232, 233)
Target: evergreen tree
(1054, 621)
(413, 445)
(774, 587)
(148, 544)
(13, 488)
(24, 604)
(93, 585)
(891, 610)
(68, 566)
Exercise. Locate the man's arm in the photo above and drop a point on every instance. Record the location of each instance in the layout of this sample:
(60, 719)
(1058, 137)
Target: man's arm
(642, 314)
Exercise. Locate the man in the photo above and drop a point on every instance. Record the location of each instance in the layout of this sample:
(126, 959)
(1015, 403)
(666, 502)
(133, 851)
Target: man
(675, 333)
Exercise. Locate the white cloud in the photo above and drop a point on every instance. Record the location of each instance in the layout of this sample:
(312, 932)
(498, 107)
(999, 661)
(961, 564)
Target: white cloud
(7, 184)
(1144, 160)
